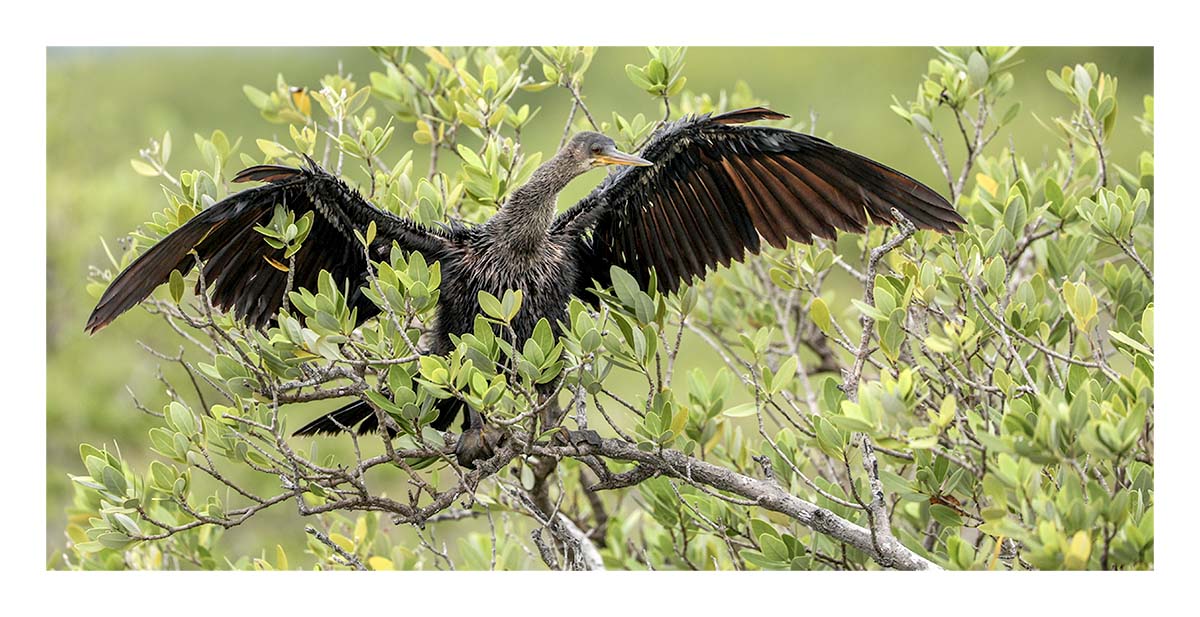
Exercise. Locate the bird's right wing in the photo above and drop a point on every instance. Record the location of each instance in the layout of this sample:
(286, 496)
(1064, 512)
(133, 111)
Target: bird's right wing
(246, 274)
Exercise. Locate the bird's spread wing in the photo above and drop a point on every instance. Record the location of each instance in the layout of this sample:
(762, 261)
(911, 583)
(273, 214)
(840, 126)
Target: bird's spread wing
(246, 274)
(717, 186)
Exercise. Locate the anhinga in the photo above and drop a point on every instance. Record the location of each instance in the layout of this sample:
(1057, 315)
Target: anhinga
(708, 190)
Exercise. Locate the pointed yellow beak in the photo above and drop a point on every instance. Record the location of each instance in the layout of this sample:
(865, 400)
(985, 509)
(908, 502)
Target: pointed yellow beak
(612, 156)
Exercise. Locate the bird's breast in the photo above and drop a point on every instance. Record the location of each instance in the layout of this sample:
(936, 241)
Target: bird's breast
(546, 278)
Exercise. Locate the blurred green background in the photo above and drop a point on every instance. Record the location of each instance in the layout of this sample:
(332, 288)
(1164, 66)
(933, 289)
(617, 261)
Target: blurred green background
(105, 104)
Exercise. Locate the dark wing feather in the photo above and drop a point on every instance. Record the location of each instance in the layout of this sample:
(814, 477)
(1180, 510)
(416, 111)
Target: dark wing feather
(242, 271)
(717, 187)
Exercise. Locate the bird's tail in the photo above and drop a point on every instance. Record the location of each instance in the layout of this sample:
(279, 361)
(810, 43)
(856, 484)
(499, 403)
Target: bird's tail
(359, 413)
(344, 418)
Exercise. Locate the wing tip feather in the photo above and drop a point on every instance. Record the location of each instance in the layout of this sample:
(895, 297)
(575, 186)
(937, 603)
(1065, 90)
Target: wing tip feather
(273, 174)
(749, 114)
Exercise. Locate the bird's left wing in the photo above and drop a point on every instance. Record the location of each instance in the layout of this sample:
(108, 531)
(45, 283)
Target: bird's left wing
(717, 186)
(246, 274)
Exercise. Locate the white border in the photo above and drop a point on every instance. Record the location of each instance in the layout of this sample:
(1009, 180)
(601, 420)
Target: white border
(607, 22)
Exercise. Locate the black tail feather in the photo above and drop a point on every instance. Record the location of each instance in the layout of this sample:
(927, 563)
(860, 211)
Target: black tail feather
(344, 418)
(359, 413)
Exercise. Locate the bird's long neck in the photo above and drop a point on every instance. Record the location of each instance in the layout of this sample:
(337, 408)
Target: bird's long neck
(522, 222)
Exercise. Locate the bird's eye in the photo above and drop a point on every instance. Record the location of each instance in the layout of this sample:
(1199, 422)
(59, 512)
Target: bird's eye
(596, 148)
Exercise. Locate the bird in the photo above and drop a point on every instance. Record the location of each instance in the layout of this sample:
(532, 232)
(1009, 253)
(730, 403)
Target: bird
(703, 191)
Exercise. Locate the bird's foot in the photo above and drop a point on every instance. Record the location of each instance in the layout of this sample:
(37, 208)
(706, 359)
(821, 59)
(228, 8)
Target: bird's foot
(478, 444)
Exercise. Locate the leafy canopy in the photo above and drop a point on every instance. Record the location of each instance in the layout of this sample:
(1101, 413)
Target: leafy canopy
(980, 401)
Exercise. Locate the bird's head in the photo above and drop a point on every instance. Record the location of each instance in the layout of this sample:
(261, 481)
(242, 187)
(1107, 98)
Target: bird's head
(589, 150)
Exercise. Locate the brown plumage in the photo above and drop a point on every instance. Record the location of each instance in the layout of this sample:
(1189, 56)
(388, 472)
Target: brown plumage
(718, 186)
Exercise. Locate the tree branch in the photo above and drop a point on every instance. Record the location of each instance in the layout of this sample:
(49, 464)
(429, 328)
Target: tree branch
(763, 493)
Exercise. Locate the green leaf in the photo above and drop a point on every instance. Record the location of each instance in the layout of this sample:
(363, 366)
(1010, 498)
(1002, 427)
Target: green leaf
(257, 97)
(1129, 342)
(679, 420)
(868, 310)
(977, 70)
(1057, 82)
(744, 410)
(114, 481)
(1011, 114)
(511, 304)
(272, 149)
(946, 412)
(1054, 195)
(774, 549)
(922, 123)
(892, 334)
(378, 563)
(470, 157)
(785, 374)
(938, 344)
(945, 515)
(166, 147)
(819, 312)
(1148, 324)
(657, 72)
(1081, 304)
(181, 418)
(143, 168)
(624, 285)
(342, 541)
(638, 77)
(491, 305)
(1078, 552)
(357, 100)
(176, 286)
(372, 230)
